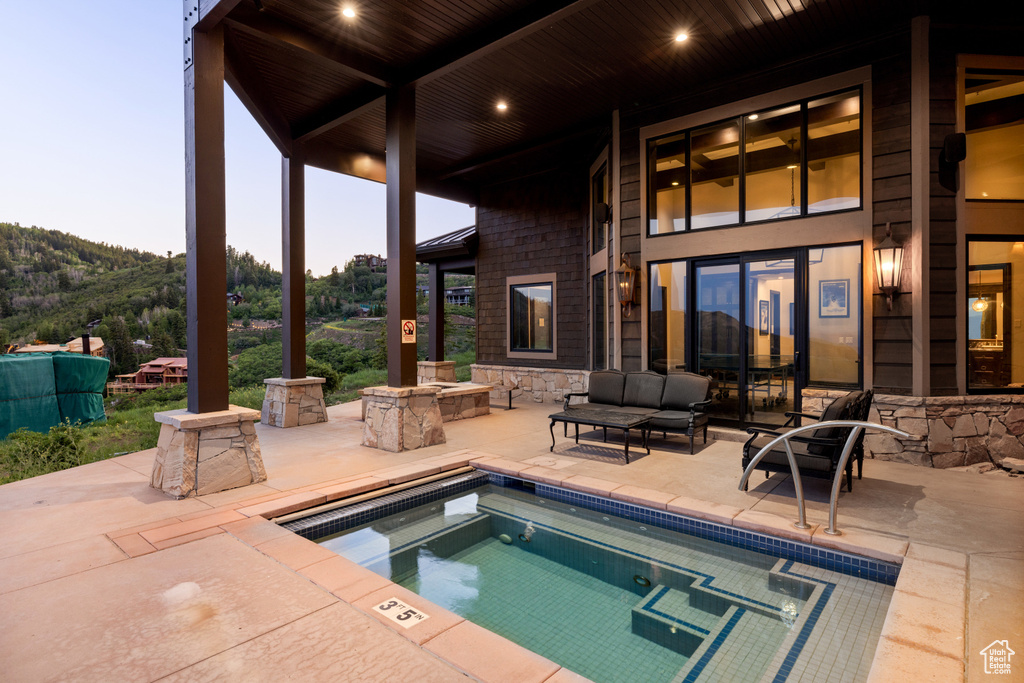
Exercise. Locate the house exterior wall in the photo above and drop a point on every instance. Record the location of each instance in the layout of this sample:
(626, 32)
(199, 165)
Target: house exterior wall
(909, 78)
(526, 227)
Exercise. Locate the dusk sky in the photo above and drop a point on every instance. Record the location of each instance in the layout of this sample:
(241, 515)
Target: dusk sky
(92, 140)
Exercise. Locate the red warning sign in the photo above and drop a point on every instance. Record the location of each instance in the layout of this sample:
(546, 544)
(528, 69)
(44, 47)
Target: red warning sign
(408, 331)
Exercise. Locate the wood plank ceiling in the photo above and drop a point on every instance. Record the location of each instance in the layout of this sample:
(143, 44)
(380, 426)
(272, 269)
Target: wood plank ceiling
(307, 73)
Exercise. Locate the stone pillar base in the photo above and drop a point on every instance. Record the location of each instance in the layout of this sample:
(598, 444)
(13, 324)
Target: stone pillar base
(202, 453)
(294, 402)
(401, 418)
(428, 371)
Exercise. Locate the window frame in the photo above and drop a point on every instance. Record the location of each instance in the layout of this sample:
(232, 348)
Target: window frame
(966, 325)
(650, 143)
(538, 280)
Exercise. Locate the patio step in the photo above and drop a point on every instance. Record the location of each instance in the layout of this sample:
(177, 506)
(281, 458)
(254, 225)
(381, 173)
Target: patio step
(666, 616)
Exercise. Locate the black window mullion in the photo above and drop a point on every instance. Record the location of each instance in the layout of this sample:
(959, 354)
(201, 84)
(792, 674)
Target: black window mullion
(742, 170)
(804, 144)
(688, 198)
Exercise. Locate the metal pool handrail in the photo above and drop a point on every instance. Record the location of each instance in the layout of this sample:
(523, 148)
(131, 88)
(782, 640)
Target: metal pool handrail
(837, 479)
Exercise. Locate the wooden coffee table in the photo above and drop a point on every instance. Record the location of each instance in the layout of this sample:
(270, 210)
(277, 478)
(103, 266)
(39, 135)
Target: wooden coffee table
(605, 419)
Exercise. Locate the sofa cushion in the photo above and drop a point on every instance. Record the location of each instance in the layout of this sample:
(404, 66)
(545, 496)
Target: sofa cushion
(684, 388)
(606, 387)
(676, 420)
(643, 389)
(805, 461)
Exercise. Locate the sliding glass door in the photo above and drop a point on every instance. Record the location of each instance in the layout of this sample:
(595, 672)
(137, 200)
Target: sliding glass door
(761, 325)
(746, 336)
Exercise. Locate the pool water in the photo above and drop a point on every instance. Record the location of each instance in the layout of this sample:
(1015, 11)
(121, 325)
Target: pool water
(614, 598)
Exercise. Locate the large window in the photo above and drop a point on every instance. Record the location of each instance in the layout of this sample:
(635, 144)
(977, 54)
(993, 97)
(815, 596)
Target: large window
(994, 121)
(699, 324)
(834, 315)
(667, 326)
(796, 160)
(531, 312)
(995, 307)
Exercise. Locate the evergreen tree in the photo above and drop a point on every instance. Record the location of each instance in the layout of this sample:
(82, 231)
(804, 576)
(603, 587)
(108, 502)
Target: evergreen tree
(122, 351)
(163, 346)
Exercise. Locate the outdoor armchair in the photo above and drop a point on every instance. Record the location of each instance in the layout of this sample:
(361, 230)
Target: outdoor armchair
(817, 455)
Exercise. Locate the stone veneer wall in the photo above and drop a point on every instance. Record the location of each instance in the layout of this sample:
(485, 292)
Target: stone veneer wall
(543, 385)
(960, 430)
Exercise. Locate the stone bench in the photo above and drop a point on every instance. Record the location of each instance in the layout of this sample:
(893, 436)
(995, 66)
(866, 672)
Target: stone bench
(462, 400)
(501, 392)
(456, 400)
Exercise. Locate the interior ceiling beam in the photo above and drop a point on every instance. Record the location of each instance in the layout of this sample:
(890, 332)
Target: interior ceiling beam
(338, 112)
(248, 86)
(294, 39)
(537, 16)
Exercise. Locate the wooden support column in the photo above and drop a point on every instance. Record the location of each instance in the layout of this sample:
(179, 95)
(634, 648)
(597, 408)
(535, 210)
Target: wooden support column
(401, 226)
(293, 252)
(435, 282)
(205, 231)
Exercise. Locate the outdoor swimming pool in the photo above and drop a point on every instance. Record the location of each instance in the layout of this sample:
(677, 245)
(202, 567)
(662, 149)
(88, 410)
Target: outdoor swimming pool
(615, 591)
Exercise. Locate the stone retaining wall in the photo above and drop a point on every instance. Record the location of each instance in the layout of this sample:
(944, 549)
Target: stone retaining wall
(959, 430)
(542, 385)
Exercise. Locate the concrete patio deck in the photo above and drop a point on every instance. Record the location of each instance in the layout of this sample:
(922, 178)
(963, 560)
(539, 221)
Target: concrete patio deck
(103, 578)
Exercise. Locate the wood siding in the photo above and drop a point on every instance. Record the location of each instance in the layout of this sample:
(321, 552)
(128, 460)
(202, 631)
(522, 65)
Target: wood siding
(532, 226)
(943, 228)
(890, 158)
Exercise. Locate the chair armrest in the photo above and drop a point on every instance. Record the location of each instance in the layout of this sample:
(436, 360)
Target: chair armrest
(761, 430)
(700, 405)
(754, 433)
(791, 414)
(568, 396)
(697, 408)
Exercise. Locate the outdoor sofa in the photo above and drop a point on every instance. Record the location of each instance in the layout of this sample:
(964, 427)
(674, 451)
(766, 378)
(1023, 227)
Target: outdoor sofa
(817, 453)
(676, 402)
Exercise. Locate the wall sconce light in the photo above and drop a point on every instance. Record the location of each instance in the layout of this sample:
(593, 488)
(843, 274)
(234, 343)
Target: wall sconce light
(626, 276)
(889, 265)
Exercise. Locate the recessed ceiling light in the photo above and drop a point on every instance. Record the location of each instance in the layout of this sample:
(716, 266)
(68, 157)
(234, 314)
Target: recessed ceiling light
(502, 106)
(348, 12)
(752, 117)
(675, 182)
(680, 37)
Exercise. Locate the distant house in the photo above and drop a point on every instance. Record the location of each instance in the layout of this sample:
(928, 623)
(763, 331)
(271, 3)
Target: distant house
(159, 372)
(371, 261)
(74, 346)
(458, 296)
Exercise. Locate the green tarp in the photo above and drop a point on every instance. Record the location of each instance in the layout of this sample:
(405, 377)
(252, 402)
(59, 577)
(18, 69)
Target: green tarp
(39, 390)
(79, 383)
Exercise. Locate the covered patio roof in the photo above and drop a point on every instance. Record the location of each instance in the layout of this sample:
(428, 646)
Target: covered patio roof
(309, 74)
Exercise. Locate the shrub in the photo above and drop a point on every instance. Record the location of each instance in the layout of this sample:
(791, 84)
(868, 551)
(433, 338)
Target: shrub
(30, 454)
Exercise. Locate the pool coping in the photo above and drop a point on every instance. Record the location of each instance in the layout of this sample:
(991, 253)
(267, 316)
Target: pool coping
(923, 634)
